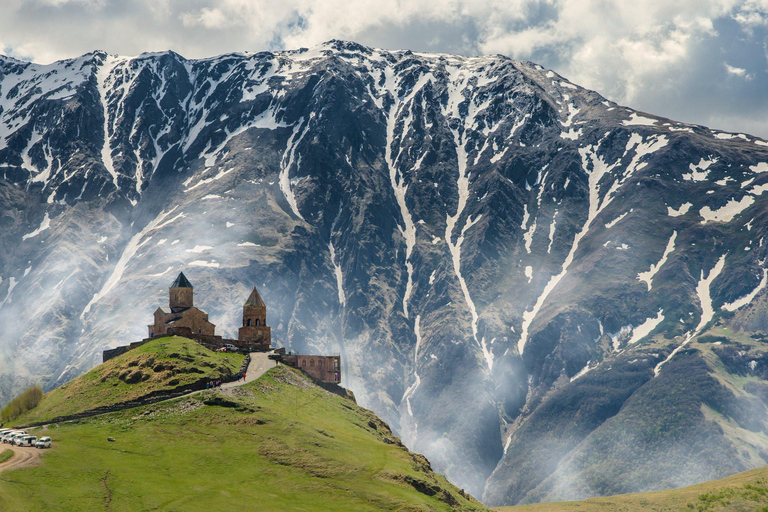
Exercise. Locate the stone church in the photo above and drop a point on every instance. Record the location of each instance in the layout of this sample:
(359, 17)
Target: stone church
(181, 312)
(181, 317)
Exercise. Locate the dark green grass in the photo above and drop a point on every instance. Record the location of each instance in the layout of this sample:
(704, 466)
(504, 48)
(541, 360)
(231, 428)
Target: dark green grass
(5, 455)
(162, 364)
(278, 443)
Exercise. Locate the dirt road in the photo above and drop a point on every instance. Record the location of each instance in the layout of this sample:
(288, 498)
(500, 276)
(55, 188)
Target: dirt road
(23, 456)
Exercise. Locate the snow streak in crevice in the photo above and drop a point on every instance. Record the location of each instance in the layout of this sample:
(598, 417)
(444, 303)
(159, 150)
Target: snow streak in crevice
(102, 76)
(336, 264)
(647, 277)
(743, 301)
(703, 289)
(416, 379)
(134, 244)
(458, 84)
(287, 162)
(399, 188)
(600, 168)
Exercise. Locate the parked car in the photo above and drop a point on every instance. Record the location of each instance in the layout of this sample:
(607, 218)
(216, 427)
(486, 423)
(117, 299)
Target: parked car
(10, 436)
(43, 442)
(230, 347)
(16, 438)
(26, 441)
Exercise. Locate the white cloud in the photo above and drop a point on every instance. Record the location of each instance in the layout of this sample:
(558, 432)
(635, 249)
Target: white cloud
(739, 72)
(206, 18)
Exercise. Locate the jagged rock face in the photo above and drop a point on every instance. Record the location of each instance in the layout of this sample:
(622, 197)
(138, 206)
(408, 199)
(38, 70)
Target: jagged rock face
(516, 272)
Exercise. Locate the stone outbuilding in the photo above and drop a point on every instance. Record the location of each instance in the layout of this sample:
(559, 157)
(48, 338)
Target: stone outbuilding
(323, 368)
(181, 312)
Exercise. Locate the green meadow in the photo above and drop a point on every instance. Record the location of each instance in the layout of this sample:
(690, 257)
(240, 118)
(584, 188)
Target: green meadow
(160, 365)
(277, 443)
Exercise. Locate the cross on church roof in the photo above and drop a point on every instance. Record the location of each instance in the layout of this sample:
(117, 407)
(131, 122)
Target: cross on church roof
(181, 282)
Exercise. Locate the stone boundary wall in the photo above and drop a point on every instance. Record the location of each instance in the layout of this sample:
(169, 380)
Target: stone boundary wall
(148, 399)
(210, 342)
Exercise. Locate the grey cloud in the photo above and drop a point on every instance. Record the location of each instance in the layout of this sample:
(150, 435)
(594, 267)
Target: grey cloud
(663, 58)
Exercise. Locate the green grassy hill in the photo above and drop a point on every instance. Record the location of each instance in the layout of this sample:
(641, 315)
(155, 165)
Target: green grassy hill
(160, 365)
(277, 443)
(743, 492)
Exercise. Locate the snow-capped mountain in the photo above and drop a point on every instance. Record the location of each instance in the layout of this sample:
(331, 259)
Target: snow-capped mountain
(550, 295)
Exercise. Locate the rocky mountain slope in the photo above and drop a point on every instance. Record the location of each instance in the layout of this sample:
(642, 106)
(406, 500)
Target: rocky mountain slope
(517, 273)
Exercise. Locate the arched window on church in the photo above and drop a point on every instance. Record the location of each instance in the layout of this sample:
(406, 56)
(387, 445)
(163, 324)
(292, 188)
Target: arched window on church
(303, 362)
(257, 321)
(319, 363)
(249, 322)
(312, 363)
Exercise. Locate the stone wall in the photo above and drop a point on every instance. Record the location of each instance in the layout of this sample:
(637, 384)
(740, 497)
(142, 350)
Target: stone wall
(208, 341)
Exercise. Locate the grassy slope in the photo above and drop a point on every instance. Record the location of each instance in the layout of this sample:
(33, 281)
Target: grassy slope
(746, 491)
(162, 364)
(278, 443)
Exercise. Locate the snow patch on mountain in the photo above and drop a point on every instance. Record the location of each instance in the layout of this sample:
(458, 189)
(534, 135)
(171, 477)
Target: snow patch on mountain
(45, 224)
(647, 277)
(636, 119)
(726, 213)
(682, 210)
(700, 171)
(644, 329)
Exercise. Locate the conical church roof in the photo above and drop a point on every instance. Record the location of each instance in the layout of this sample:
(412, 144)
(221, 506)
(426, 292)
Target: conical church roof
(181, 282)
(254, 299)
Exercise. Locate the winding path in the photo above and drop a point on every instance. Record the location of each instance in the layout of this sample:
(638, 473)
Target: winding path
(258, 366)
(23, 456)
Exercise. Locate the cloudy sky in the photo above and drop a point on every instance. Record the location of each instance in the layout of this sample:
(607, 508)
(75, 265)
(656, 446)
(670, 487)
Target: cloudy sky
(698, 61)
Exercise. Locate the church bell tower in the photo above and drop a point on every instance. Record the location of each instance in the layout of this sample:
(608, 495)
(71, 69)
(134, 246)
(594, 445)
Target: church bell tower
(255, 329)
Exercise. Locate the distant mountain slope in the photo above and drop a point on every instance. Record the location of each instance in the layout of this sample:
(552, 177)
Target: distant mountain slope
(501, 257)
(277, 443)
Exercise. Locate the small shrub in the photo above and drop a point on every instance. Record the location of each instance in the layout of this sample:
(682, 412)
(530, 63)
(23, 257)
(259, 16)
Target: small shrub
(27, 401)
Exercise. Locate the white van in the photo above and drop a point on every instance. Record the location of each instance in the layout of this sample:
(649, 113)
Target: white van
(43, 442)
(26, 441)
